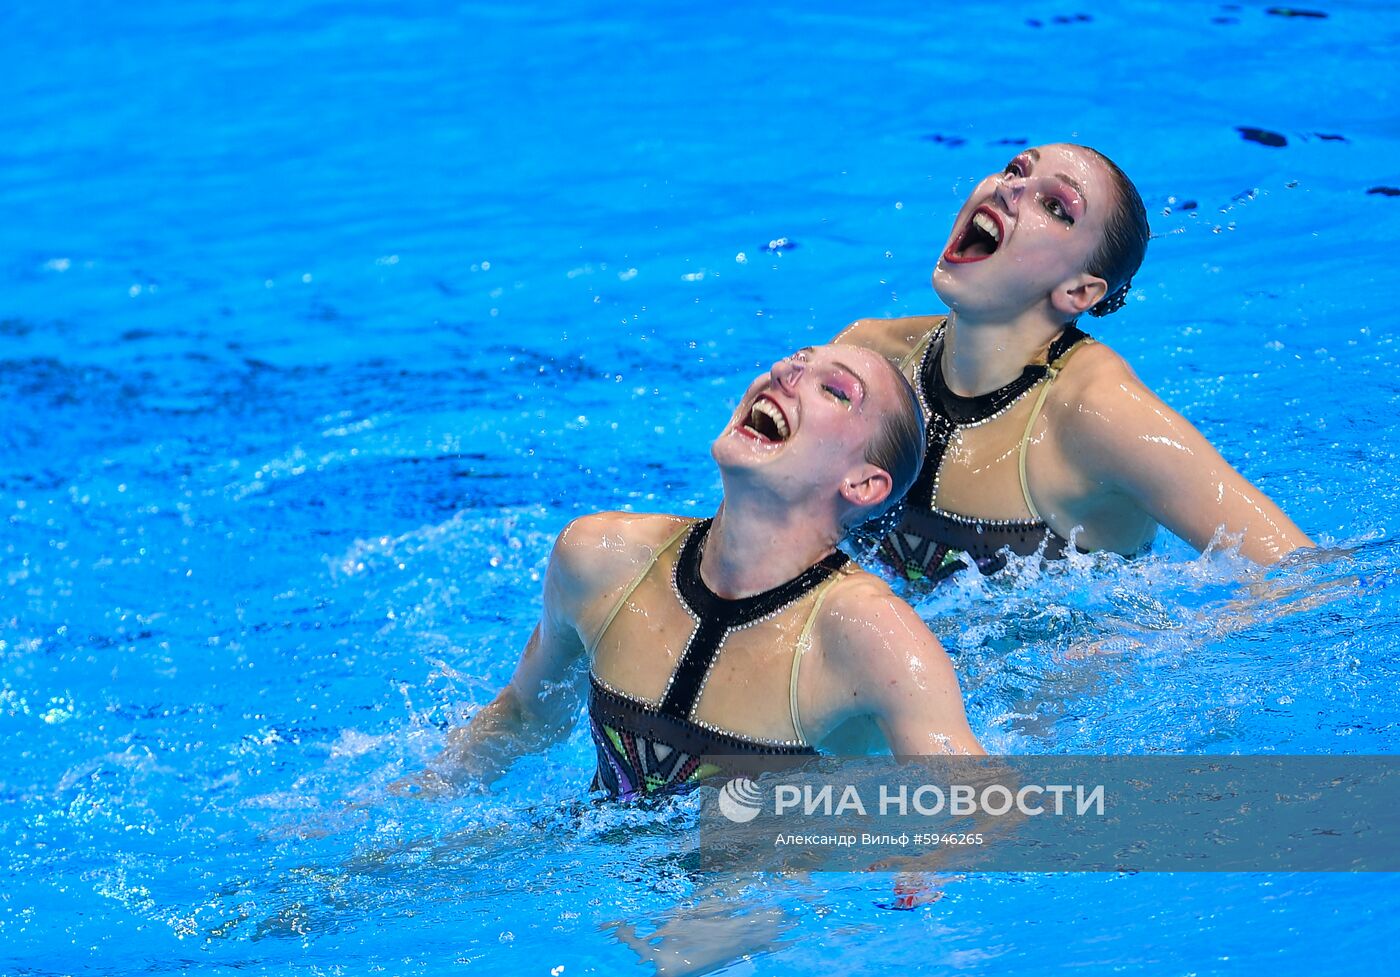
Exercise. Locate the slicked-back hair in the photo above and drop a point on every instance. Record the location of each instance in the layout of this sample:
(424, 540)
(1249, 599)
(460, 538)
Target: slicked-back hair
(1120, 253)
(898, 446)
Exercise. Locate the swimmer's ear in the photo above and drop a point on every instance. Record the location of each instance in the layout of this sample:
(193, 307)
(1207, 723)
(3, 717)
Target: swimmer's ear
(866, 487)
(1078, 295)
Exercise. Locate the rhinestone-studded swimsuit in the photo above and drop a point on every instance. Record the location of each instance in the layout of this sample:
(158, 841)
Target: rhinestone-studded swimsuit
(649, 747)
(931, 544)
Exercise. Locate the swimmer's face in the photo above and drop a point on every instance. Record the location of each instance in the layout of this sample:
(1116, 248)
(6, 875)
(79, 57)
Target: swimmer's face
(806, 424)
(1026, 234)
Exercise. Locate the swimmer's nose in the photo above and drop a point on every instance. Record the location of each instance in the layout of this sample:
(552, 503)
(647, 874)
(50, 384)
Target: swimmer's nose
(787, 371)
(1009, 190)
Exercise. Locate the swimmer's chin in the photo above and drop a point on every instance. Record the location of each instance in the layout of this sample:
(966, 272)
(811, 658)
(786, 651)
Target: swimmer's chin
(738, 444)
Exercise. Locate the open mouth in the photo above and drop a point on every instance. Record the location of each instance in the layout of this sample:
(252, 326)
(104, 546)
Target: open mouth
(766, 422)
(980, 237)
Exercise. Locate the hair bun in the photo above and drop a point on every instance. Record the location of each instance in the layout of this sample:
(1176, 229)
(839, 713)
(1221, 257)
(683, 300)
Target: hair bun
(1110, 304)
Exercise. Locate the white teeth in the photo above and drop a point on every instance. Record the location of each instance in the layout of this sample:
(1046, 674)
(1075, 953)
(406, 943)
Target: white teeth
(771, 412)
(987, 226)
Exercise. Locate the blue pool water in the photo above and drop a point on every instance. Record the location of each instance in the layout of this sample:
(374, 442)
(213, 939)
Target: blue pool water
(320, 320)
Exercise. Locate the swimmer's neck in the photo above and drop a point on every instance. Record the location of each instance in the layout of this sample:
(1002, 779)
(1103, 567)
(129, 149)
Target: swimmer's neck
(982, 355)
(752, 548)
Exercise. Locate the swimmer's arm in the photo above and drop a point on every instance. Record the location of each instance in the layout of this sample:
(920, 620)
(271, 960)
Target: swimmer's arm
(894, 670)
(534, 711)
(538, 707)
(1133, 443)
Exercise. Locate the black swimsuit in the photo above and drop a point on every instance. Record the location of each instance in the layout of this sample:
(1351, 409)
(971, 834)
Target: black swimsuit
(644, 747)
(931, 544)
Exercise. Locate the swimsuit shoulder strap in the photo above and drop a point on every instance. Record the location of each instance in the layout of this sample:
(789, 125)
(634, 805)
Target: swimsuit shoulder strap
(636, 582)
(804, 641)
(928, 337)
(1060, 352)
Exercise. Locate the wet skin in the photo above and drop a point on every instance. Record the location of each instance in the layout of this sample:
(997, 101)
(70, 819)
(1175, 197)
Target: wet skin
(1106, 460)
(793, 475)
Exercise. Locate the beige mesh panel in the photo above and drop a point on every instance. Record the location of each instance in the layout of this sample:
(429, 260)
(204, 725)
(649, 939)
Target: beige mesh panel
(748, 685)
(980, 474)
(642, 646)
(746, 691)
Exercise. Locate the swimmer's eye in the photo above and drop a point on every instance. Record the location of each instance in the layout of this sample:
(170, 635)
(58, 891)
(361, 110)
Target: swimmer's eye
(1017, 167)
(838, 393)
(1057, 209)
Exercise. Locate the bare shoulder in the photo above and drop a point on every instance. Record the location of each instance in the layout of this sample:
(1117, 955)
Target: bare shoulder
(1092, 365)
(1095, 385)
(861, 594)
(868, 630)
(1108, 421)
(893, 338)
(597, 550)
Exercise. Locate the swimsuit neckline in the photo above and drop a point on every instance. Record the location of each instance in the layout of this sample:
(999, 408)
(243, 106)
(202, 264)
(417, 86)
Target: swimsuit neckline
(740, 611)
(646, 747)
(978, 409)
(717, 617)
(948, 413)
(930, 543)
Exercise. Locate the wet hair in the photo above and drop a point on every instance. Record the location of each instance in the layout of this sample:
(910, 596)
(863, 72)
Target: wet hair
(1124, 243)
(898, 446)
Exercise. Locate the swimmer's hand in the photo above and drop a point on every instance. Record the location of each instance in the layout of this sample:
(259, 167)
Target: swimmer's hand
(703, 938)
(915, 889)
(1301, 582)
(475, 754)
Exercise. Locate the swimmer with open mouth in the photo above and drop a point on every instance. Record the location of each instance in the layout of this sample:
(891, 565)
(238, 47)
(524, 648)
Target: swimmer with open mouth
(1037, 433)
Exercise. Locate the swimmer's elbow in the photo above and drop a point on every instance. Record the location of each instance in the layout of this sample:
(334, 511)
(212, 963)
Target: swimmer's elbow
(1275, 548)
(508, 727)
(973, 747)
(1294, 542)
(525, 718)
(933, 736)
(1295, 539)
(959, 742)
(1265, 532)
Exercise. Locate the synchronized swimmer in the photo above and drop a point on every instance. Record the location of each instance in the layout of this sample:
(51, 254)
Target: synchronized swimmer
(746, 635)
(750, 635)
(1036, 432)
